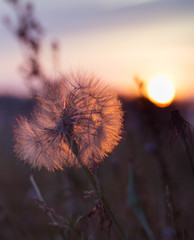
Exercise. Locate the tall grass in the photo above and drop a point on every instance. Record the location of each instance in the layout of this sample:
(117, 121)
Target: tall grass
(70, 196)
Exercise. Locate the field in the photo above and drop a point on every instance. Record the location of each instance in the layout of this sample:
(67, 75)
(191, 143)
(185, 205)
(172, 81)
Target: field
(147, 182)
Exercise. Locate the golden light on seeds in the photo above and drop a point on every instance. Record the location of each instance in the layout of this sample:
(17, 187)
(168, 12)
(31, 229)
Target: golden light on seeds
(161, 91)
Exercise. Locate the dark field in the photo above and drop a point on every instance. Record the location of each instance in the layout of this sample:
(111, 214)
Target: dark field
(147, 181)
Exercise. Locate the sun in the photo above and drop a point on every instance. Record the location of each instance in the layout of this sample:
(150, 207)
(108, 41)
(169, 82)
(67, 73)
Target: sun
(161, 91)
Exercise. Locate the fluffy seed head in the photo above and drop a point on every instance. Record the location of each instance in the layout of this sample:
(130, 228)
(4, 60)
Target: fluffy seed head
(77, 108)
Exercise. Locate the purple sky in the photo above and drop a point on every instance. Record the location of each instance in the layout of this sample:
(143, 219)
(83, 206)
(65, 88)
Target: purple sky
(115, 39)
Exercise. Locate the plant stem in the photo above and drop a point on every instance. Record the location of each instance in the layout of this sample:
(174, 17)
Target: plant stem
(75, 149)
(50, 215)
(103, 200)
(188, 153)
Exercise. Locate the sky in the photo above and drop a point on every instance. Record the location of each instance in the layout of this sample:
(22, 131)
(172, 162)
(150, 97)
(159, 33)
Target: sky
(116, 40)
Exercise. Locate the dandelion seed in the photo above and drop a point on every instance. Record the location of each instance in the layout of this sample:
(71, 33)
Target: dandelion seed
(77, 108)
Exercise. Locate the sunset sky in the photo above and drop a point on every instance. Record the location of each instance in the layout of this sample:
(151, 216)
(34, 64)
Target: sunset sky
(117, 40)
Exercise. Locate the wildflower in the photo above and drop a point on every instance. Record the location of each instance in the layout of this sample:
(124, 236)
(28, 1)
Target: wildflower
(76, 109)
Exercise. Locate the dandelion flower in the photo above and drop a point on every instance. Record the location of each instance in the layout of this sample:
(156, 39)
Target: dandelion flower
(77, 108)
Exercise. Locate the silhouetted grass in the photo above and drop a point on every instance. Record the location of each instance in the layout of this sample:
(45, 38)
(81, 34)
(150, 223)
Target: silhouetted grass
(146, 139)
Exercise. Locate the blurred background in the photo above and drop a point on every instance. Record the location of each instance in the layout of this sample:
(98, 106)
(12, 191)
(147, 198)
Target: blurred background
(136, 47)
(118, 40)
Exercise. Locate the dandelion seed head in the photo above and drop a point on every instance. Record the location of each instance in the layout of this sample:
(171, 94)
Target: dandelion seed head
(77, 108)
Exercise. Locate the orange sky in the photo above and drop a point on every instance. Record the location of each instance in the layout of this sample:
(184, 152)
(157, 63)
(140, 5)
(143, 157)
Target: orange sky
(117, 40)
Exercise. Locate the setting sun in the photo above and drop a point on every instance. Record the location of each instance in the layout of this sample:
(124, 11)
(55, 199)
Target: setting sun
(161, 91)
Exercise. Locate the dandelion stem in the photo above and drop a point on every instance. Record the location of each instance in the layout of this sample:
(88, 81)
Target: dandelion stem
(103, 200)
(94, 184)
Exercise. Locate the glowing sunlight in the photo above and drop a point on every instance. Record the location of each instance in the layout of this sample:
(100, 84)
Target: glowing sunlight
(161, 91)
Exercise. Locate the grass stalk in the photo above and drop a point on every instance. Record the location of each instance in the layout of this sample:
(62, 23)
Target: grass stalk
(188, 154)
(94, 184)
(104, 202)
(50, 215)
(36, 188)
